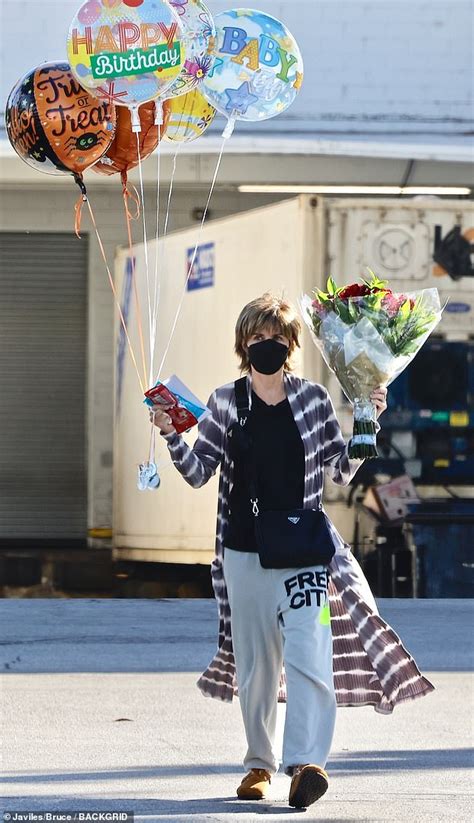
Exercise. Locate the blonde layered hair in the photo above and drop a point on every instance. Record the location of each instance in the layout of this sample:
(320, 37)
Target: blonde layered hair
(267, 311)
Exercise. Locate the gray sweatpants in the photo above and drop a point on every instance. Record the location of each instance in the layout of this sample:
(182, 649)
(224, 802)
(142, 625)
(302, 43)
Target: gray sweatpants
(282, 615)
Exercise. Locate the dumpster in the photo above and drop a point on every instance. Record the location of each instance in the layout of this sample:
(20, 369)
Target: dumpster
(440, 533)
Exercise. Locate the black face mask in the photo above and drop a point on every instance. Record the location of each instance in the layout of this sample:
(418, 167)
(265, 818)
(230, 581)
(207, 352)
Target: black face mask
(268, 356)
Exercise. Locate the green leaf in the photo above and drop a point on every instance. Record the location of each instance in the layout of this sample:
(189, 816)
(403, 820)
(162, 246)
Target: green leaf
(331, 286)
(342, 309)
(326, 301)
(354, 311)
(375, 282)
(404, 310)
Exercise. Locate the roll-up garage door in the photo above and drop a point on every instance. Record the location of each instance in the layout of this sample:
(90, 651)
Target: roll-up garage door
(43, 340)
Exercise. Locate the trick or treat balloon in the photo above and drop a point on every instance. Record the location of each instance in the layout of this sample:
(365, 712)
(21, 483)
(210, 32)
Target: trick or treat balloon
(122, 155)
(126, 51)
(54, 124)
(258, 68)
(188, 117)
(198, 34)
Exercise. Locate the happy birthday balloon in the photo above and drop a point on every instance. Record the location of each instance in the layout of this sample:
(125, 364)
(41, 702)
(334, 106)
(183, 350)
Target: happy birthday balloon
(54, 124)
(126, 51)
(198, 33)
(258, 68)
(189, 116)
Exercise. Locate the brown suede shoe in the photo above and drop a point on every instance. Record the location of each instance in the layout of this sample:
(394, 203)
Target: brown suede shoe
(308, 784)
(255, 785)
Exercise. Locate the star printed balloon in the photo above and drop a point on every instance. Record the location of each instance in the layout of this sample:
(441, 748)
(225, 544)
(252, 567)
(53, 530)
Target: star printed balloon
(258, 68)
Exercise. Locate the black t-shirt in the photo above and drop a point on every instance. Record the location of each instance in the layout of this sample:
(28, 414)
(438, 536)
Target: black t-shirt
(279, 460)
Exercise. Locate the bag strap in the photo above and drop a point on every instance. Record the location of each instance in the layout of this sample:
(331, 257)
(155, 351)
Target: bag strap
(243, 411)
(242, 400)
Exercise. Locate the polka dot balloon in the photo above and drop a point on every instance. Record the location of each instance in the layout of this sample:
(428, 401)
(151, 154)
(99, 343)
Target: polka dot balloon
(126, 52)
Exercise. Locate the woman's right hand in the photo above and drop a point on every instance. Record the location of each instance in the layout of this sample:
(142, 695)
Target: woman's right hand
(159, 418)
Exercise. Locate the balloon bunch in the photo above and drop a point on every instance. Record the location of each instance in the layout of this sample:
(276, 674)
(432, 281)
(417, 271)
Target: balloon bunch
(166, 65)
(129, 62)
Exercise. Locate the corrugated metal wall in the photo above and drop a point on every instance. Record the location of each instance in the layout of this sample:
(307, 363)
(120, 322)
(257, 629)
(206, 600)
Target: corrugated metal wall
(43, 345)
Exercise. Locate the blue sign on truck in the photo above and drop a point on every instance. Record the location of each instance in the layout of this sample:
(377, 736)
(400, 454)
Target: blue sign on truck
(203, 266)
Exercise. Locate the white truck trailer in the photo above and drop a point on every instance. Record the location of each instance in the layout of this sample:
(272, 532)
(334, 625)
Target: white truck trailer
(289, 247)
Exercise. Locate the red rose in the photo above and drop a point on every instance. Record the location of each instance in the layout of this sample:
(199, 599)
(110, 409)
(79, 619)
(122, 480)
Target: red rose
(354, 290)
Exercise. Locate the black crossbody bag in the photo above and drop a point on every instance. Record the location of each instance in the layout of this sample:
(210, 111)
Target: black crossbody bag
(285, 539)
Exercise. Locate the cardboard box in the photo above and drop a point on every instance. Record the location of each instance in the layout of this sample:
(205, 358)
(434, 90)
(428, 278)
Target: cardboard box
(389, 501)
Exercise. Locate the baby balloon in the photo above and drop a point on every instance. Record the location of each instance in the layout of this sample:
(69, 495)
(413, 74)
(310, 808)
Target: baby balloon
(126, 52)
(258, 68)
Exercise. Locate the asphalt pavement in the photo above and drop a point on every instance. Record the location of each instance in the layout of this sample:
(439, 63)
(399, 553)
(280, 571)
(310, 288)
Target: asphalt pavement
(101, 713)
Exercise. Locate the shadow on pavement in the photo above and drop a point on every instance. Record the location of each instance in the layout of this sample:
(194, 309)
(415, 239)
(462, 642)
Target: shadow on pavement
(380, 760)
(118, 774)
(157, 807)
(343, 764)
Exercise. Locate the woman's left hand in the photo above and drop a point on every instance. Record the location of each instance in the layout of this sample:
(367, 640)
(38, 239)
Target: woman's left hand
(379, 399)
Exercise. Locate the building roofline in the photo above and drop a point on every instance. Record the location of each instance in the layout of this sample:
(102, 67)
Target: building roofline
(451, 151)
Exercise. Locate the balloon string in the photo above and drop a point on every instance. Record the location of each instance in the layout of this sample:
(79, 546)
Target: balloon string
(78, 179)
(156, 289)
(151, 450)
(157, 284)
(128, 195)
(78, 214)
(165, 231)
(224, 141)
(170, 192)
(162, 254)
(114, 291)
(145, 248)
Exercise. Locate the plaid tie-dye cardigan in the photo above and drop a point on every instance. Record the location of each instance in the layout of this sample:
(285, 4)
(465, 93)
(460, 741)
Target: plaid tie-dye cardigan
(370, 664)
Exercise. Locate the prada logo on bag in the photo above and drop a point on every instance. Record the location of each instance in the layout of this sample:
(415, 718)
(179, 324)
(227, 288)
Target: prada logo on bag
(294, 520)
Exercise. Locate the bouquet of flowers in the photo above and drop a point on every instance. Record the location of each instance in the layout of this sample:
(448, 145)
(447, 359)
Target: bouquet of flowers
(367, 335)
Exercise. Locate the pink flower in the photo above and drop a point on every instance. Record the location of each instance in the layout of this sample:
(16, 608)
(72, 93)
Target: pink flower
(392, 304)
(318, 307)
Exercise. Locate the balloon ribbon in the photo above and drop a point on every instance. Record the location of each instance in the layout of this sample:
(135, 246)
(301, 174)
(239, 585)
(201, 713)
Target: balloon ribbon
(131, 194)
(79, 204)
(114, 291)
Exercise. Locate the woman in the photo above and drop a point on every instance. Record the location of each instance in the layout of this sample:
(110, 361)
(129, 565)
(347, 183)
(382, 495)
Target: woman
(311, 637)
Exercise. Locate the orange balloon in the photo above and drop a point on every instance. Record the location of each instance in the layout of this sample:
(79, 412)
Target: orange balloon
(55, 125)
(122, 155)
